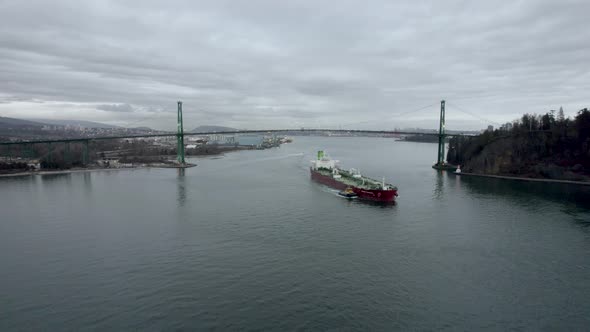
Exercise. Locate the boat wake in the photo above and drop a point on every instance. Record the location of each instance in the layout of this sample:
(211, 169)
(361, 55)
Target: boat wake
(291, 155)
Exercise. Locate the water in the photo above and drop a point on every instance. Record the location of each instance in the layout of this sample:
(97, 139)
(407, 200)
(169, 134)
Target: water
(248, 242)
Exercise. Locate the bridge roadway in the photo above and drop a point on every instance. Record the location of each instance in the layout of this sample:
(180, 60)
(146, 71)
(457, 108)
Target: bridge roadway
(261, 131)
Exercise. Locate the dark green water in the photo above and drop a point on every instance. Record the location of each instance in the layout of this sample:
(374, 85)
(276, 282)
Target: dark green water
(247, 242)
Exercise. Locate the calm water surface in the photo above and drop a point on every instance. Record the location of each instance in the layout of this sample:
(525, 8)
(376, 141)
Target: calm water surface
(247, 242)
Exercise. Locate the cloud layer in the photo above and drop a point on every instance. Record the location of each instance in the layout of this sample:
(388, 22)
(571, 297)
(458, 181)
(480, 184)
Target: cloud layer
(266, 63)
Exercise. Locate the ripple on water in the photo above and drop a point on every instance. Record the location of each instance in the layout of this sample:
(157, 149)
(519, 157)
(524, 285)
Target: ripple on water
(249, 242)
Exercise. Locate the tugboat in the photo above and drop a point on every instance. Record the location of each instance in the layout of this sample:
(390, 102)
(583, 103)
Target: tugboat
(348, 193)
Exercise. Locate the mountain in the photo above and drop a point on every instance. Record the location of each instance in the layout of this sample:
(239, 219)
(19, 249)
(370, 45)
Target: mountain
(208, 129)
(143, 128)
(75, 123)
(11, 123)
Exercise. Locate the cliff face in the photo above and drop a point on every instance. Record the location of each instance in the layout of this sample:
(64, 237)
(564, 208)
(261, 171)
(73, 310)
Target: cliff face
(554, 151)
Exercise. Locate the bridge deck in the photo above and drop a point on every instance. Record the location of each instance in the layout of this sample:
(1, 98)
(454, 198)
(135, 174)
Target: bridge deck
(263, 131)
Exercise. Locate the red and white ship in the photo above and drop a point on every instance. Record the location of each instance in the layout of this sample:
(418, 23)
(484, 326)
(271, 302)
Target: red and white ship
(325, 171)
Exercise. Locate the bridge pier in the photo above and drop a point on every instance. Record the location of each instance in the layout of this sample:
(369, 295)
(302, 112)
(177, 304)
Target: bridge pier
(31, 151)
(50, 152)
(67, 155)
(85, 160)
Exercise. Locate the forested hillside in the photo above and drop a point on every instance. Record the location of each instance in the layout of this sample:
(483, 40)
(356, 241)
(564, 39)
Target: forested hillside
(541, 146)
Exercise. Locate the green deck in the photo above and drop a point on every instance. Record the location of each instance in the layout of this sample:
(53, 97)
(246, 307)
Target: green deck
(348, 179)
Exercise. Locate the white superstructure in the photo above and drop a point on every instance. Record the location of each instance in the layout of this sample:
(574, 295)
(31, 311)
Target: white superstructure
(323, 161)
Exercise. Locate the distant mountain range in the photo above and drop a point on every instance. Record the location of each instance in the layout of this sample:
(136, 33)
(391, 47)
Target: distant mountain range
(11, 123)
(20, 123)
(19, 129)
(207, 129)
(75, 123)
(140, 128)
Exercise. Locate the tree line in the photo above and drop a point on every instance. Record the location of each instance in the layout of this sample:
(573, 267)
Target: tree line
(520, 146)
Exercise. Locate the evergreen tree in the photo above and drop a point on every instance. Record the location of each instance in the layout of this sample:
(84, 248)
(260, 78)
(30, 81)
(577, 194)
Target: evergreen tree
(560, 115)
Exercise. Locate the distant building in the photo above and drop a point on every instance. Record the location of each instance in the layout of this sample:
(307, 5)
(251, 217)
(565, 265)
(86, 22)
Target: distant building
(506, 127)
(108, 162)
(490, 128)
(197, 139)
(34, 164)
(221, 139)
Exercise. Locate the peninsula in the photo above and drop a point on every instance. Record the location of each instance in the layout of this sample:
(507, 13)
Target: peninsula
(548, 146)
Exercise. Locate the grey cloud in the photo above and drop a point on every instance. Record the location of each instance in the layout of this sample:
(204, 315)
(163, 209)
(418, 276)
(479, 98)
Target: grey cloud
(116, 108)
(274, 63)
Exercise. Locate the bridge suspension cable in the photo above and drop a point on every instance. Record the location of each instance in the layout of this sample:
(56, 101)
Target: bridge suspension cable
(460, 109)
(151, 117)
(390, 117)
(414, 111)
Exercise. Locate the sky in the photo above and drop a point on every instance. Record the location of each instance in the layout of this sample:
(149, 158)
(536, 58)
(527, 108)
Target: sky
(256, 64)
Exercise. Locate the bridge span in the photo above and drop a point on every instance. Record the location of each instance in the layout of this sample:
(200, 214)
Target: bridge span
(180, 134)
(244, 131)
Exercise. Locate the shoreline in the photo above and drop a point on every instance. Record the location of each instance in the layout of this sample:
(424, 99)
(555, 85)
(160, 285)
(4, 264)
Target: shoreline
(517, 178)
(89, 169)
(218, 154)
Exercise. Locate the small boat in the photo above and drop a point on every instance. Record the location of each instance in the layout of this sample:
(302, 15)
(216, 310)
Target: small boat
(348, 193)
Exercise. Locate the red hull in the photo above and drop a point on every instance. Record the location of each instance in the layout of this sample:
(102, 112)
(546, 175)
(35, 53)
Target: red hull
(367, 194)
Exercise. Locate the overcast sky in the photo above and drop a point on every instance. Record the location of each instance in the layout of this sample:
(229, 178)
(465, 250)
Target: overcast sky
(269, 63)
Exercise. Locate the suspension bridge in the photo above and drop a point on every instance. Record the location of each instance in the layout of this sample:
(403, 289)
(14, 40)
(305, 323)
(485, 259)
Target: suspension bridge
(27, 150)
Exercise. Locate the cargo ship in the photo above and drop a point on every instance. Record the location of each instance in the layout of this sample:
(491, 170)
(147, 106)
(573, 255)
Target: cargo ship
(325, 171)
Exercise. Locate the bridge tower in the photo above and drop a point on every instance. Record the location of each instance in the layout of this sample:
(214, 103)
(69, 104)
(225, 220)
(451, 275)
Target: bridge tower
(441, 135)
(440, 161)
(180, 137)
